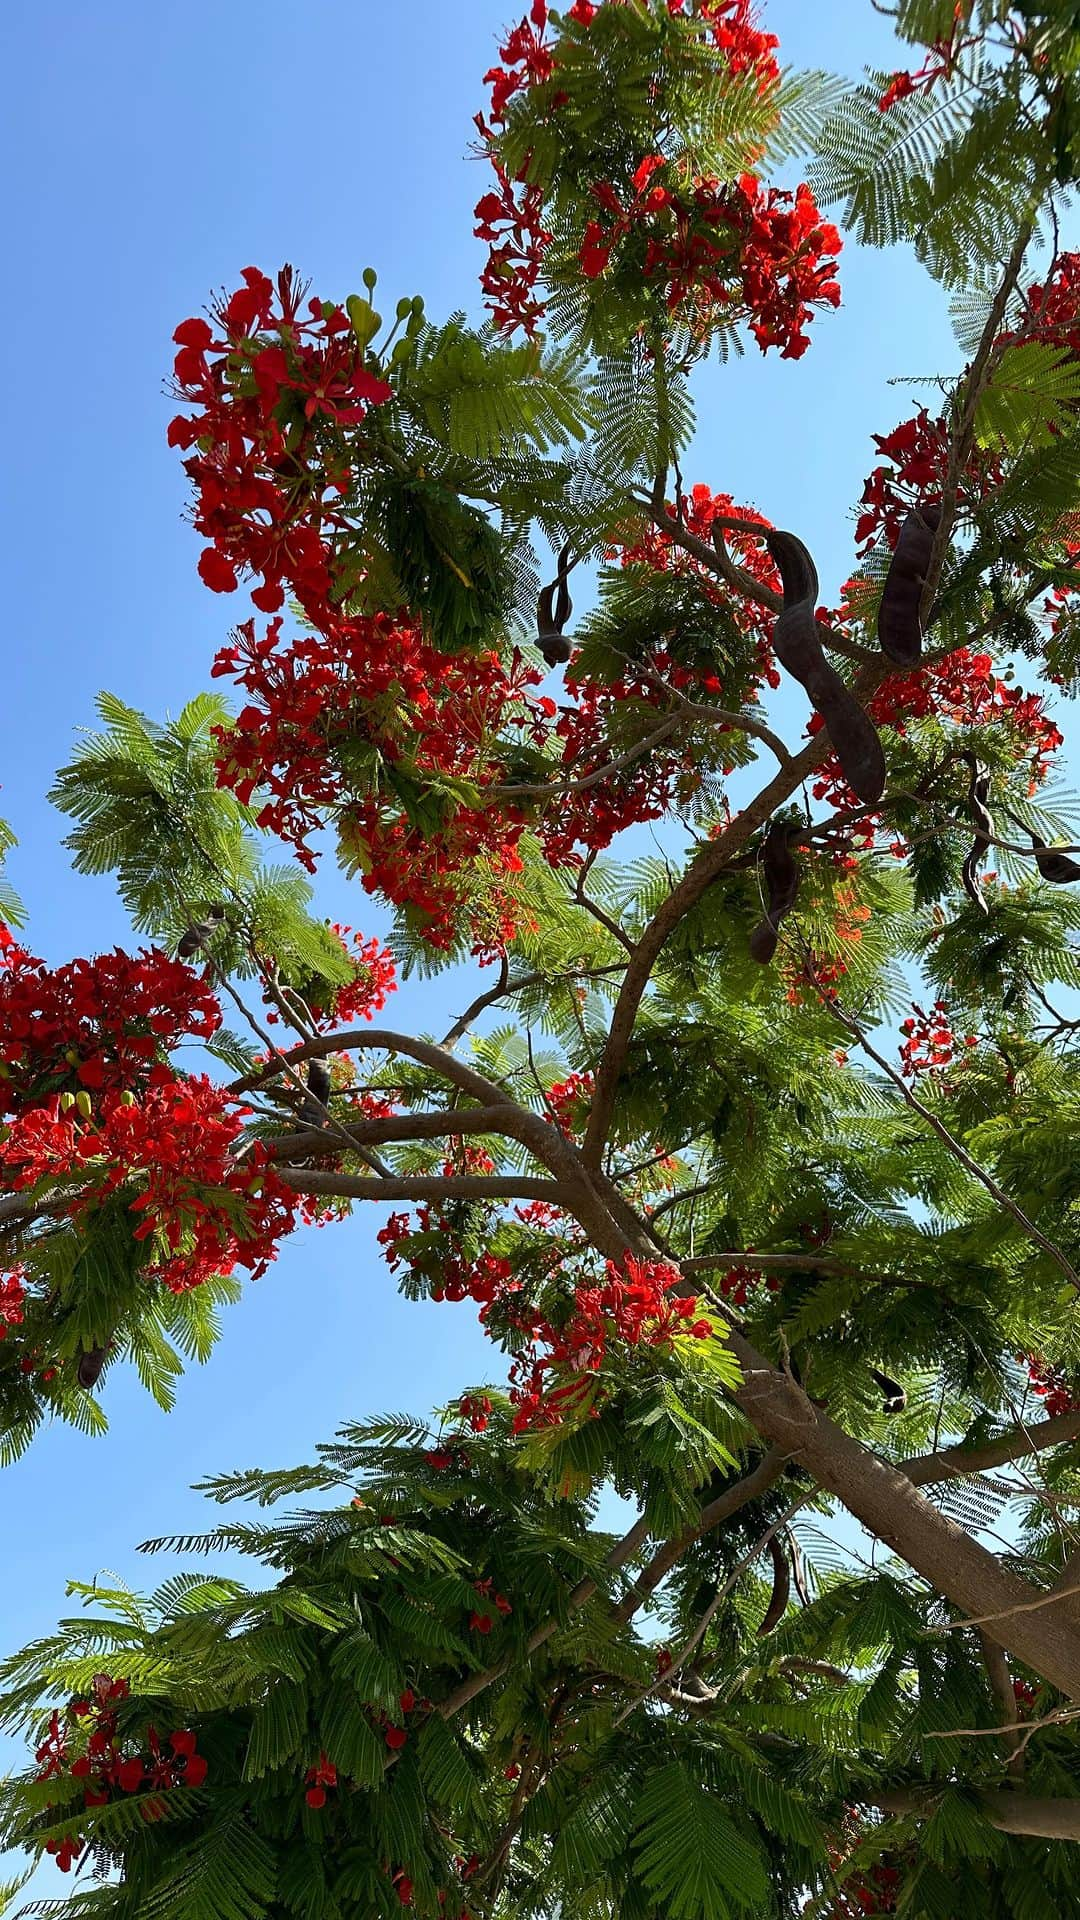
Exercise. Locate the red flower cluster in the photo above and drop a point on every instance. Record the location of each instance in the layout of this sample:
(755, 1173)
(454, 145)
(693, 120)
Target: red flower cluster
(717, 246)
(275, 390)
(526, 60)
(736, 33)
(476, 1409)
(711, 246)
(377, 679)
(965, 690)
(510, 217)
(1053, 306)
(634, 1306)
(874, 1891)
(732, 26)
(962, 689)
(645, 789)
(699, 512)
(318, 1778)
(206, 1211)
(481, 1621)
(273, 384)
(940, 64)
(929, 1044)
(104, 1766)
(569, 1100)
(1050, 1386)
(90, 1094)
(365, 995)
(103, 1024)
(918, 450)
(12, 1295)
(739, 1283)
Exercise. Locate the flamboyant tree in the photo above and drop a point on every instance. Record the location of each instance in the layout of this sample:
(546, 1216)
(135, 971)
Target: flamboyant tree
(757, 1159)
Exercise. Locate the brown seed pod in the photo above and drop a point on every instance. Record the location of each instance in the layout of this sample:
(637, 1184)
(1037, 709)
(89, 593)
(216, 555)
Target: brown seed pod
(1058, 868)
(781, 1592)
(91, 1361)
(899, 627)
(978, 795)
(780, 871)
(797, 645)
(552, 614)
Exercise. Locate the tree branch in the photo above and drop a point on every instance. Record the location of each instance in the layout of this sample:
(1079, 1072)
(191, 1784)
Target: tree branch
(953, 1462)
(395, 1127)
(1016, 1813)
(706, 868)
(765, 1475)
(997, 1668)
(508, 987)
(460, 1186)
(358, 1039)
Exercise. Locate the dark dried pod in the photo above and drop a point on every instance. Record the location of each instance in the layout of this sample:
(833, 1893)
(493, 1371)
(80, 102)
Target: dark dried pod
(91, 1361)
(1058, 868)
(781, 1592)
(319, 1087)
(552, 614)
(899, 626)
(978, 797)
(797, 645)
(564, 606)
(780, 871)
(894, 1396)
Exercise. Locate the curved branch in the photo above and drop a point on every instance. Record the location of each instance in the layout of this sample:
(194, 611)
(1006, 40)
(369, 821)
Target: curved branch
(1017, 1813)
(427, 1053)
(507, 987)
(460, 1186)
(706, 868)
(395, 1127)
(765, 1475)
(952, 1462)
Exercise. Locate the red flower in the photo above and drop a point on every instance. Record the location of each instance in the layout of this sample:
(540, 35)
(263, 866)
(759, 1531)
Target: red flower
(396, 1738)
(217, 571)
(194, 333)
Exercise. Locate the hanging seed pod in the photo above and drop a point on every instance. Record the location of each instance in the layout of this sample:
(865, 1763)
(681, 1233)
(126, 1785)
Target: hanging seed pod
(1058, 868)
(894, 1396)
(978, 796)
(781, 1592)
(780, 872)
(91, 1361)
(797, 645)
(899, 626)
(553, 610)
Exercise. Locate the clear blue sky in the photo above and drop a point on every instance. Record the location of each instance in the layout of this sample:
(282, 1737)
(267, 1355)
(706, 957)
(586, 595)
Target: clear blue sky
(159, 149)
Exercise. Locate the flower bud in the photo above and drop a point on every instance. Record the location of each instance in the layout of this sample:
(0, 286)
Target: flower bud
(364, 320)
